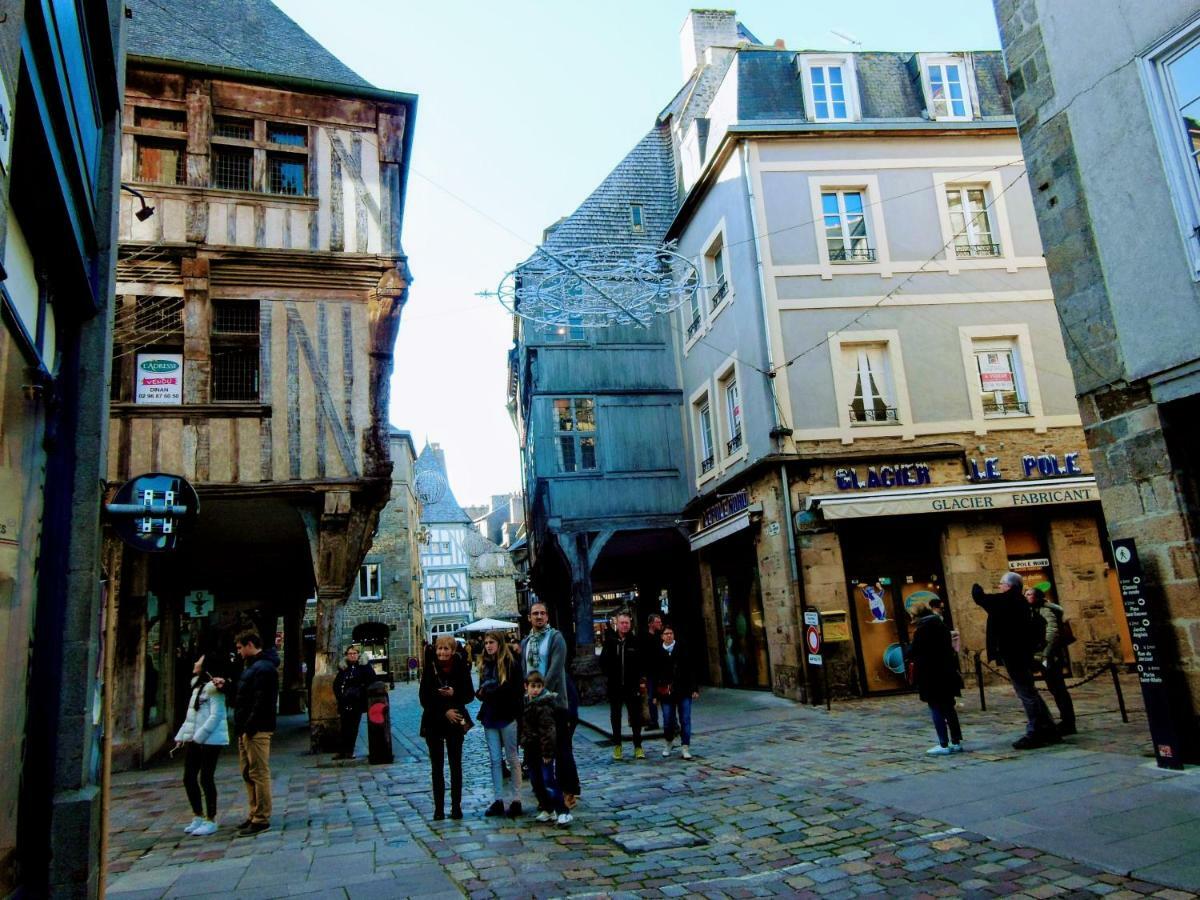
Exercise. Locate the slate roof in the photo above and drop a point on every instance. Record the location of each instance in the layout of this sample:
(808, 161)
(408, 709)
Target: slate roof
(647, 176)
(446, 510)
(250, 35)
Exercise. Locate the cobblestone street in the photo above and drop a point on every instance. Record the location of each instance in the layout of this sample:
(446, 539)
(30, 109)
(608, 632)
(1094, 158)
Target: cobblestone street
(780, 800)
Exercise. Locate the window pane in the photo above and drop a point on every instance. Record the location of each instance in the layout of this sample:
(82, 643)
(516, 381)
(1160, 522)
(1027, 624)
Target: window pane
(818, 76)
(587, 453)
(231, 169)
(562, 415)
(829, 204)
(854, 202)
(160, 162)
(706, 443)
(585, 415)
(839, 110)
(243, 129)
(235, 374)
(287, 134)
(835, 79)
(719, 265)
(287, 175)
(566, 452)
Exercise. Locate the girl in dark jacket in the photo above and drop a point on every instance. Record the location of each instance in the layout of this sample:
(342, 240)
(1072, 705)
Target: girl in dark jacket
(502, 694)
(937, 678)
(350, 689)
(675, 684)
(446, 689)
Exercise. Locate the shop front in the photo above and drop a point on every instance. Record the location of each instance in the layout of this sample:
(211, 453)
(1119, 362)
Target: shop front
(903, 534)
(732, 595)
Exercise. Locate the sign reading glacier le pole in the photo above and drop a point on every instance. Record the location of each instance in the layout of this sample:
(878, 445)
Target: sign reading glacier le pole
(159, 378)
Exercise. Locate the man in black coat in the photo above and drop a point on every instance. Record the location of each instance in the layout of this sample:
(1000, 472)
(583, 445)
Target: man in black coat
(651, 644)
(621, 662)
(1011, 639)
(254, 723)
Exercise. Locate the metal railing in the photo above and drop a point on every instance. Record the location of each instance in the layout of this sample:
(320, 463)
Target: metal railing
(694, 327)
(888, 414)
(720, 293)
(969, 250)
(853, 254)
(1014, 407)
(707, 464)
(734, 443)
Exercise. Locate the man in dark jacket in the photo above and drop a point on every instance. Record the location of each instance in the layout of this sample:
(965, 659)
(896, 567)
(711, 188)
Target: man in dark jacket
(254, 723)
(1012, 639)
(651, 644)
(622, 667)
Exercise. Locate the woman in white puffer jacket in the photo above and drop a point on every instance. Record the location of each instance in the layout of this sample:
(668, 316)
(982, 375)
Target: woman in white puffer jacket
(204, 732)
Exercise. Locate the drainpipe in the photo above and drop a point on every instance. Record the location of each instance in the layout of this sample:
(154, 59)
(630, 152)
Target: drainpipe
(777, 431)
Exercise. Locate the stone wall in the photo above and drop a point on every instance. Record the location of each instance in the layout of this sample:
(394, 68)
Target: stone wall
(823, 573)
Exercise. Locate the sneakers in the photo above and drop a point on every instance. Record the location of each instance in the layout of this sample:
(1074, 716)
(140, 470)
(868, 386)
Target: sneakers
(208, 826)
(196, 822)
(639, 753)
(565, 818)
(496, 809)
(687, 752)
(545, 816)
(617, 754)
(253, 828)
(939, 751)
(667, 749)
(514, 809)
(956, 748)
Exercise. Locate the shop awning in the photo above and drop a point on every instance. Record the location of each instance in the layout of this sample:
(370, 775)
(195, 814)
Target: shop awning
(956, 498)
(725, 528)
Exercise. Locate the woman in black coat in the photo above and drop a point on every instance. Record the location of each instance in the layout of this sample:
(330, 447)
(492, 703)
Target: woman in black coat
(937, 677)
(446, 689)
(350, 689)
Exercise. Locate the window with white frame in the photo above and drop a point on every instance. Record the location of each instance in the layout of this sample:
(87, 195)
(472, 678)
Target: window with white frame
(1172, 73)
(998, 378)
(946, 88)
(694, 314)
(873, 398)
(575, 433)
(971, 221)
(368, 581)
(845, 221)
(732, 398)
(831, 88)
(715, 272)
(704, 435)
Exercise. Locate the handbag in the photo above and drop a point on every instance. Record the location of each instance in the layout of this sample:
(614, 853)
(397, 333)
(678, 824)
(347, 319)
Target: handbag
(1066, 634)
(662, 690)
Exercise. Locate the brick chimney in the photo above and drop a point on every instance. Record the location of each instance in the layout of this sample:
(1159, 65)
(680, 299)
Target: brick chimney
(704, 28)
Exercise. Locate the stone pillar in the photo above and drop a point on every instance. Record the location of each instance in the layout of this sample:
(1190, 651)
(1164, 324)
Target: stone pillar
(291, 698)
(129, 654)
(1081, 588)
(973, 551)
(712, 630)
(781, 614)
(823, 572)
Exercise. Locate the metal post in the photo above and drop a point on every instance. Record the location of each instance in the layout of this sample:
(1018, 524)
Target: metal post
(979, 681)
(825, 681)
(1112, 667)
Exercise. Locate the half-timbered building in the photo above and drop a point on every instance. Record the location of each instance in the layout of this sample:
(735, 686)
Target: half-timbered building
(445, 563)
(257, 308)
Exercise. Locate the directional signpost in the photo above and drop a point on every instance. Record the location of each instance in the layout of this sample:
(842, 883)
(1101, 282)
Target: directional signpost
(1145, 628)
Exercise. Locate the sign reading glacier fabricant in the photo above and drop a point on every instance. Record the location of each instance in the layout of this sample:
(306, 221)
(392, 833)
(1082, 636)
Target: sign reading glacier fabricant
(1146, 628)
(159, 378)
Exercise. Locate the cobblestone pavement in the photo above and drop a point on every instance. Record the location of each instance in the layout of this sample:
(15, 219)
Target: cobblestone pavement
(780, 800)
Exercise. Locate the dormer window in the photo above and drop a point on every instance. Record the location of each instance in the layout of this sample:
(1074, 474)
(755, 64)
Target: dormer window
(830, 87)
(637, 218)
(947, 83)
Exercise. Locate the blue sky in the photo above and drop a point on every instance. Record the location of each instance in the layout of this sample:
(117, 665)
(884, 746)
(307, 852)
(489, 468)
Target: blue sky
(524, 107)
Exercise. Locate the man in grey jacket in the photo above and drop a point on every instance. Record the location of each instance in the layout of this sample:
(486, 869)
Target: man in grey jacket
(544, 650)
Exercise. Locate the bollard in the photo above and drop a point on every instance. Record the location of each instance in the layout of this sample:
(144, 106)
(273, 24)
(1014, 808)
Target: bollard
(1112, 667)
(379, 724)
(979, 681)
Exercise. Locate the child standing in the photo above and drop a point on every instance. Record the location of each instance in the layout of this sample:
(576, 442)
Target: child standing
(538, 740)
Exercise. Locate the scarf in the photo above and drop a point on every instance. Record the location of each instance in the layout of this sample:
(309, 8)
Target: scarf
(533, 649)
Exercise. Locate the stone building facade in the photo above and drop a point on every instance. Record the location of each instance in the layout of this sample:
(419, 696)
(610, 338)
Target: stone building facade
(1101, 94)
(493, 581)
(385, 613)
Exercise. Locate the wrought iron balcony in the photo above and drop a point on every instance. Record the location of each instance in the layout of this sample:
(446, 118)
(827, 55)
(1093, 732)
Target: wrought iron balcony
(734, 443)
(965, 251)
(1009, 408)
(720, 293)
(886, 415)
(853, 254)
(694, 327)
(707, 464)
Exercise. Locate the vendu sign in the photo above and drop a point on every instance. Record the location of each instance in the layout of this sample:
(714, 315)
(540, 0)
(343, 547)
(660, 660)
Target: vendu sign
(159, 378)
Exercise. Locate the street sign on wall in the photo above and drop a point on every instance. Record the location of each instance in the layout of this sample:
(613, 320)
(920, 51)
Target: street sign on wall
(812, 637)
(1146, 626)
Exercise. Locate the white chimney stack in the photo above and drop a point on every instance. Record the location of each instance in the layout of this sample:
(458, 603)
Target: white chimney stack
(704, 28)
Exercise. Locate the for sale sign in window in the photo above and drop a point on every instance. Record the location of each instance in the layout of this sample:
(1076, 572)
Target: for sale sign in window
(159, 378)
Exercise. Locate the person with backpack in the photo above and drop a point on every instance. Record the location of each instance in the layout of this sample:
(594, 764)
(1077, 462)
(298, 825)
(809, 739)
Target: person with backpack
(1051, 656)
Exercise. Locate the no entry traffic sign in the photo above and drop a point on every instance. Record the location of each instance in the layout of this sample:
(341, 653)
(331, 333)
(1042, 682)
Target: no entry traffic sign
(812, 636)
